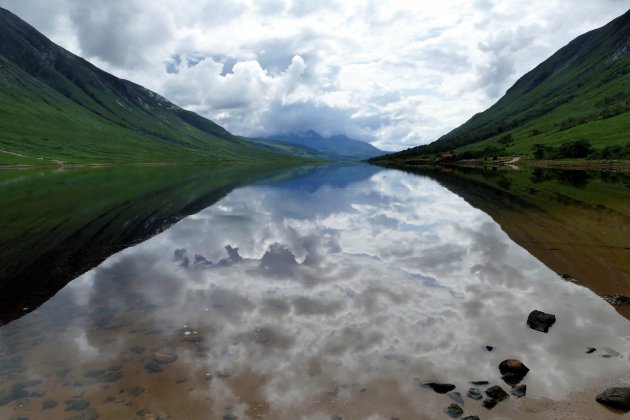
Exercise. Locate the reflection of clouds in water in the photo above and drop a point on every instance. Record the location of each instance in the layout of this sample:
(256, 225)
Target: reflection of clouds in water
(392, 278)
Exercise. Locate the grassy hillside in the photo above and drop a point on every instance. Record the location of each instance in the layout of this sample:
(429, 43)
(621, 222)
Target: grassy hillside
(582, 92)
(339, 147)
(57, 107)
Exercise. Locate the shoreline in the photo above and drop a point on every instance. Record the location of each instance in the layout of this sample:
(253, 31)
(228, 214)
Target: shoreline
(514, 163)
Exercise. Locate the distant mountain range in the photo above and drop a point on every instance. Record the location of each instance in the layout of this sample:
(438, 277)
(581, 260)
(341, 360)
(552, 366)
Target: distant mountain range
(580, 95)
(56, 107)
(338, 147)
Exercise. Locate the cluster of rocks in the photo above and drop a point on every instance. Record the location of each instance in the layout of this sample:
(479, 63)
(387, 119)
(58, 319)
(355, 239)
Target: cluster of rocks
(512, 371)
(617, 300)
(19, 390)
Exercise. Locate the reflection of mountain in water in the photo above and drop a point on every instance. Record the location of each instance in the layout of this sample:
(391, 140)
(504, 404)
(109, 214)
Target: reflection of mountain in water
(57, 225)
(576, 222)
(335, 175)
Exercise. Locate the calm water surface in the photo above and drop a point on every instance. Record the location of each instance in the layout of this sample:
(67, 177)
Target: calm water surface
(333, 294)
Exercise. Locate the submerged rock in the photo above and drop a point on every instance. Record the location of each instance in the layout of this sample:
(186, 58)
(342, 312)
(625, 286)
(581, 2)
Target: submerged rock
(14, 394)
(470, 418)
(136, 391)
(164, 358)
(489, 348)
(137, 349)
(497, 393)
(48, 404)
(77, 405)
(454, 411)
(153, 367)
(519, 391)
(456, 396)
(440, 388)
(474, 393)
(617, 397)
(540, 321)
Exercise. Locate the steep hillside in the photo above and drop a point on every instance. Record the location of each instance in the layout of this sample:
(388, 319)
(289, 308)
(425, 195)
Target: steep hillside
(339, 147)
(582, 92)
(56, 106)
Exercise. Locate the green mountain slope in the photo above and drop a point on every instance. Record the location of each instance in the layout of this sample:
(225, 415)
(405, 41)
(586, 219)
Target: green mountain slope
(55, 106)
(338, 147)
(580, 92)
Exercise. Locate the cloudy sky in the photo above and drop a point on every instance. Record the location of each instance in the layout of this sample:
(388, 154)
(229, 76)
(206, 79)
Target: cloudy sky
(394, 73)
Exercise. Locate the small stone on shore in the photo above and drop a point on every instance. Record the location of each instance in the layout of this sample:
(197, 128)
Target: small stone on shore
(474, 393)
(454, 411)
(440, 388)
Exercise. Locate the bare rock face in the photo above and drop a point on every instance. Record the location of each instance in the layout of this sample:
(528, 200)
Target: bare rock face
(618, 397)
(540, 321)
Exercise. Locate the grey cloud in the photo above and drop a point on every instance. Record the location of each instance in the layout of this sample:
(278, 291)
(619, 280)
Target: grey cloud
(493, 76)
(415, 53)
(270, 7)
(302, 8)
(122, 33)
(325, 120)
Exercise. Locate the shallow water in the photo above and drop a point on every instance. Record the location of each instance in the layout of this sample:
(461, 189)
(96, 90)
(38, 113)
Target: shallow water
(337, 293)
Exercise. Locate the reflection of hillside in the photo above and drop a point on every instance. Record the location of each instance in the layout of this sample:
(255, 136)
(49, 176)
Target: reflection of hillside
(576, 222)
(57, 225)
(336, 175)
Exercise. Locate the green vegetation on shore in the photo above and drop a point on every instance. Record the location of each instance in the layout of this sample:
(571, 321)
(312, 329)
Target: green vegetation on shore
(56, 107)
(580, 94)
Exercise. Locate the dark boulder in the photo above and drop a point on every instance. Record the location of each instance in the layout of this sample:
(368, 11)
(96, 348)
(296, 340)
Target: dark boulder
(470, 418)
(617, 397)
(440, 388)
(497, 393)
(454, 411)
(513, 371)
(489, 403)
(512, 379)
(540, 321)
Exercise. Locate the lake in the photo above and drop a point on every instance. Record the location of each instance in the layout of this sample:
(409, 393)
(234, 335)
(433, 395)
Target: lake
(317, 292)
